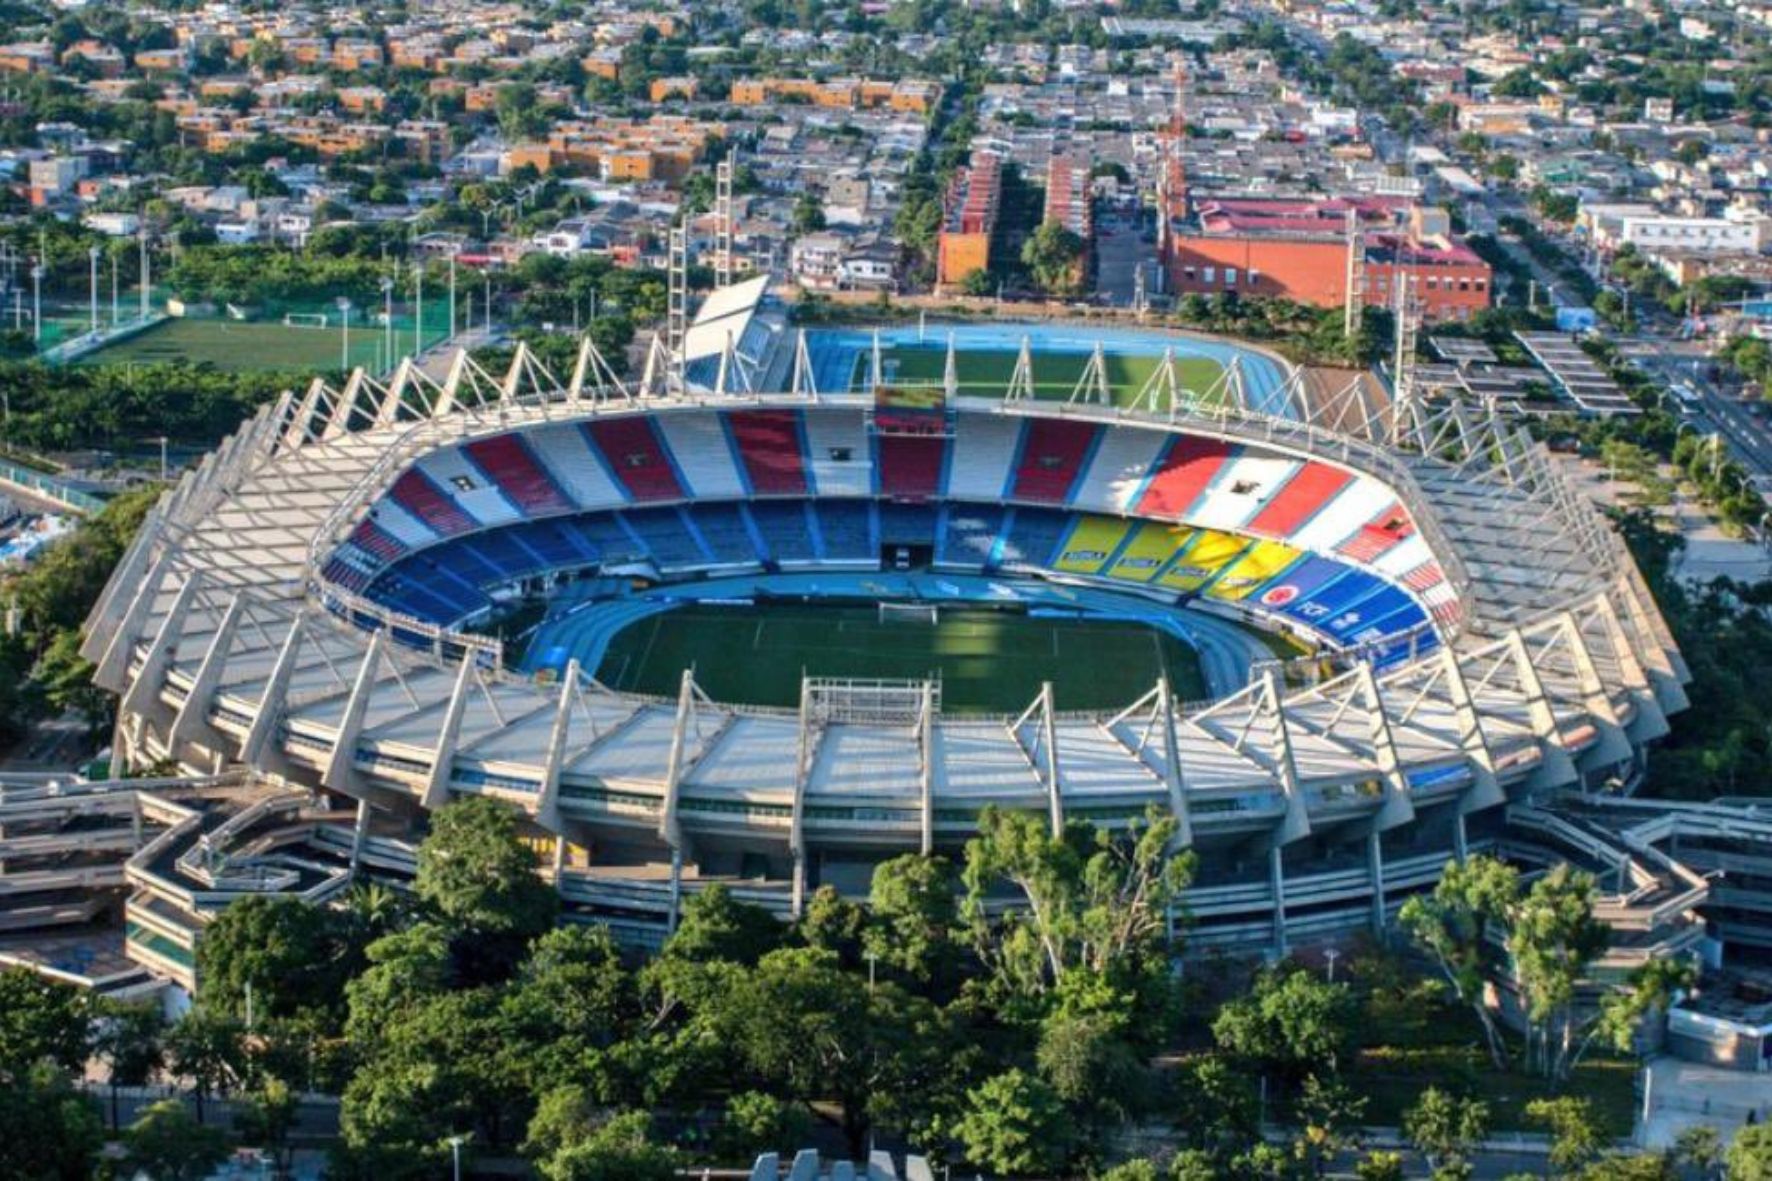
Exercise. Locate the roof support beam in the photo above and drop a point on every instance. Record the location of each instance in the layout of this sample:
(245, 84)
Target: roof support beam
(143, 694)
(436, 792)
(926, 770)
(1398, 808)
(253, 750)
(547, 804)
(1612, 746)
(1485, 789)
(1296, 823)
(192, 719)
(341, 766)
(113, 667)
(1555, 767)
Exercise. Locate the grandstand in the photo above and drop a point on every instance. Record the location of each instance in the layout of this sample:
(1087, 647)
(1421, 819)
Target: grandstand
(317, 603)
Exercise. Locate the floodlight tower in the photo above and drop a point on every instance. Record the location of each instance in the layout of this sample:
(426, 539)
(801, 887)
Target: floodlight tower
(723, 221)
(677, 306)
(1356, 274)
(1172, 179)
(1408, 313)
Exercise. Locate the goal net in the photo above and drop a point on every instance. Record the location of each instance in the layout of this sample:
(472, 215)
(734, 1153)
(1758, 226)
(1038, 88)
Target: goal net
(304, 319)
(909, 613)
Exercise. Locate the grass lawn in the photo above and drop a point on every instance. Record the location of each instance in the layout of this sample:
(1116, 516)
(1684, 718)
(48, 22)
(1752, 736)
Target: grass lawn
(987, 371)
(250, 345)
(988, 661)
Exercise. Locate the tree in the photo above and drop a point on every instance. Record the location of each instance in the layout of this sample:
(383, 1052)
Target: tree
(476, 873)
(129, 1040)
(1699, 1148)
(48, 1129)
(1328, 1114)
(1553, 937)
(1379, 1166)
(206, 1048)
(1451, 924)
(405, 968)
(266, 1118)
(1291, 1023)
(1218, 1105)
(912, 917)
(1576, 1140)
(41, 1021)
(1016, 1123)
(1095, 900)
(1444, 1127)
(290, 954)
(755, 1122)
(168, 1144)
(808, 215)
(716, 926)
(1750, 1154)
(834, 923)
(1056, 256)
(818, 1033)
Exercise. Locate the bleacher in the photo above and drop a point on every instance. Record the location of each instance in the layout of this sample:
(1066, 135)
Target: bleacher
(417, 494)
(698, 443)
(910, 465)
(666, 537)
(724, 533)
(785, 529)
(1183, 472)
(969, 534)
(1032, 535)
(846, 530)
(506, 460)
(578, 468)
(907, 524)
(984, 449)
(1050, 461)
(769, 446)
(631, 448)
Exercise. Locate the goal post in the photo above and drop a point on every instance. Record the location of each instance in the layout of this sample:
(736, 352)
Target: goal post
(304, 320)
(927, 613)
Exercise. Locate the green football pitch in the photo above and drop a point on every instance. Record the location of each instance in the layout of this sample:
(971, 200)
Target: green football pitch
(988, 661)
(1055, 375)
(241, 346)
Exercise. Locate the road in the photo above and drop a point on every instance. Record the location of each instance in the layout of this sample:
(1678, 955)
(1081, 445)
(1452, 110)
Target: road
(1120, 250)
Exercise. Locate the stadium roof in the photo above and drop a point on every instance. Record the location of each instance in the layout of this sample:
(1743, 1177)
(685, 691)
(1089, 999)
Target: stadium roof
(724, 315)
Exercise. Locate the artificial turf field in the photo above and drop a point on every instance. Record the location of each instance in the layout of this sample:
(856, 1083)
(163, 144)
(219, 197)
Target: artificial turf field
(988, 661)
(242, 346)
(987, 371)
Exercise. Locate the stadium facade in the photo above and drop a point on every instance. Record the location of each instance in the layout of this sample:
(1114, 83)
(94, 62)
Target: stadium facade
(300, 611)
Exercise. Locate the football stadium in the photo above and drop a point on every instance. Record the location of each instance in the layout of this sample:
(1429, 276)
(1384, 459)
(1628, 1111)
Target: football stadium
(798, 600)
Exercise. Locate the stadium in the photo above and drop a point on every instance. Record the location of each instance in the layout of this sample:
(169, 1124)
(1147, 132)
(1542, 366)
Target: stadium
(802, 599)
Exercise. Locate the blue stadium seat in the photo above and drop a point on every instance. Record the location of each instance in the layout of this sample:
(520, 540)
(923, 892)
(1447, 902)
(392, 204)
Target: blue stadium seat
(1033, 533)
(845, 528)
(723, 530)
(784, 528)
(662, 530)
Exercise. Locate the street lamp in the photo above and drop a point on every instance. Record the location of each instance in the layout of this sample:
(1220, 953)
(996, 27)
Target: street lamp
(455, 1142)
(1331, 955)
(92, 257)
(37, 302)
(387, 294)
(344, 343)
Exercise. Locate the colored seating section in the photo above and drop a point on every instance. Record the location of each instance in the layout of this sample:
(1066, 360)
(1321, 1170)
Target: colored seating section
(506, 459)
(1330, 549)
(1050, 463)
(771, 450)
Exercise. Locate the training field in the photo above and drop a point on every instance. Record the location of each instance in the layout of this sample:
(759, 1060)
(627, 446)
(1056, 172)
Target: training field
(988, 661)
(252, 345)
(987, 371)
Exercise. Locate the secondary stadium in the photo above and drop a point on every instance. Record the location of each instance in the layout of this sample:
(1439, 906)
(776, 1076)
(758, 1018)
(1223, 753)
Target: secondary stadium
(798, 600)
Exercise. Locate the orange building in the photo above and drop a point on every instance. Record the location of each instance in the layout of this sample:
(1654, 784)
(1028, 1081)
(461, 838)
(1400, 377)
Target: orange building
(911, 95)
(1299, 250)
(969, 219)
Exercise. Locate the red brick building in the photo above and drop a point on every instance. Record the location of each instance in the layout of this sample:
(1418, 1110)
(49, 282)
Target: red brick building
(1299, 250)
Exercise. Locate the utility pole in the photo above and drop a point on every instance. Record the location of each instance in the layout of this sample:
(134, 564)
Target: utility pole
(344, 340)
(146, 278)
(418, 303)
(387, 296)
(452, 319)
(1356, 275)
(37, 302)
(92, 257)
(114, 312)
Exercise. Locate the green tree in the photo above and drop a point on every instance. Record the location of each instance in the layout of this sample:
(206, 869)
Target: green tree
(1095, 901)
(817, 1032)
(616, 1148)
(1379, 1166)
(1444, 1127)
(1576, 1139)
(1750, 1154)
(913, 917)
(808, 217)
(755, 1122)
(1291, 1023)
(1700, 1149)
(206, 1048)
(1015, 1123)
(128, 1039)
(41, 1022)
(264, 1119)
(1451, 925)
(48, 1129)
(476, 873)
(291, 954)
(716, 926)
(1057, 258)
(835, 924)
(1553, 937)
(167, 1143)
(1328, 1114)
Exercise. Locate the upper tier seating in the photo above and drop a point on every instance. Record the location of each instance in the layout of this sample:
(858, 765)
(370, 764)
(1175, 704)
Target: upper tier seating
(697, 441)
(910, 465)
(770, 449)
(523, 481)
(633, 451)
(1187, 466)
(419, 495)
(1053, 452)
